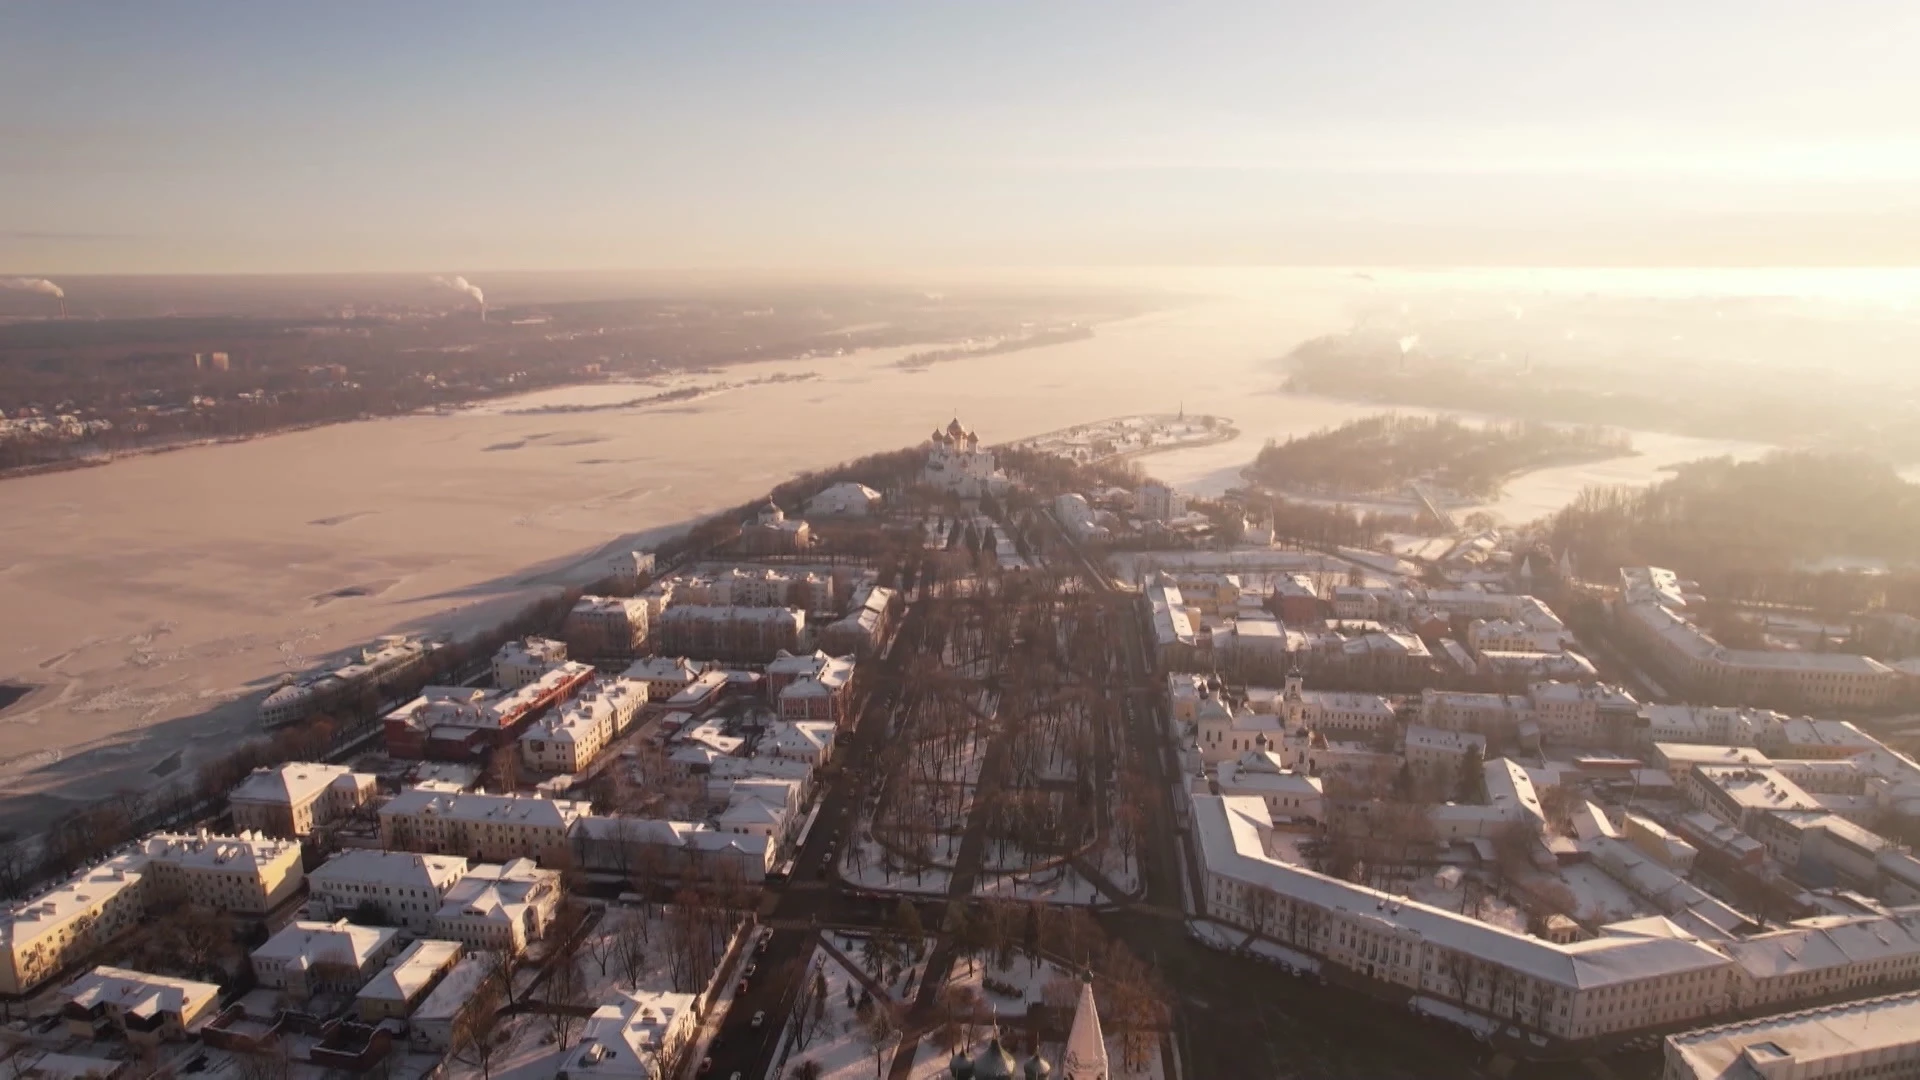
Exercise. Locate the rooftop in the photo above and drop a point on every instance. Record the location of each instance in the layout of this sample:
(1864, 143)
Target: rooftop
(292, 784)
(137, 992)
(401, 868)
(1800, 1042)
(1228, 830)
(475, 806)
(412, 971)
(305, 944)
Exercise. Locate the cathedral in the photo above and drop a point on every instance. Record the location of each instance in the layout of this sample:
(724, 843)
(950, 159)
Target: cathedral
(1085, 1056)
(955, 463)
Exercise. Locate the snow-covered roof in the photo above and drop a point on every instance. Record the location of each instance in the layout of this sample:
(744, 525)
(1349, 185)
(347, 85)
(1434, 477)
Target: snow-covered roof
(1231, 845)
(1809, 1043)
(304, 944)
(480, 807)
(456, 989)
(403, 869)
(665, 668)
(138, 993)
(211, 851)
(625, 1038)
(412, 971)
(498, 892)
(294, 783)
(27, 920)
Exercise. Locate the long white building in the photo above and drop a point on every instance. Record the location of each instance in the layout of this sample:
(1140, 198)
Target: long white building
(494, 828)
(1642, 975)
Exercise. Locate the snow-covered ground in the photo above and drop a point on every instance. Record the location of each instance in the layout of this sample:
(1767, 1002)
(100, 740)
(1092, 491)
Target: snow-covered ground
(1059, 885)
(1020, 984)
(867, 864)
(530, 1052)
(839, 1043)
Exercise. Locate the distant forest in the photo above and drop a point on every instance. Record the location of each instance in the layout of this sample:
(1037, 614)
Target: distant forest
(1744, 530)
(1380, 455)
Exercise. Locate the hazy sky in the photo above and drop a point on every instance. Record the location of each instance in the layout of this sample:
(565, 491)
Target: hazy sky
(261, 135)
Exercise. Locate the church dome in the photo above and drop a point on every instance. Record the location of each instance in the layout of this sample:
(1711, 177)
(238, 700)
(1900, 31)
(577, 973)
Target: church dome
(1038, 1069)
(994, 1063)
(960, 1068)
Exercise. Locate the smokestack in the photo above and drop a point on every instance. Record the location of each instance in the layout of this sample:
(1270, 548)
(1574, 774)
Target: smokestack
(38, 285)
(460, 284)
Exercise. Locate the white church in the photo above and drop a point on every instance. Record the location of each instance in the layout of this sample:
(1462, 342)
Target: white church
(1084, 1057)
(956, 464)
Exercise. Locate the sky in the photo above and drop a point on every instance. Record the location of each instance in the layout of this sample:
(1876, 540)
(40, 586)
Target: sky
(199, 137)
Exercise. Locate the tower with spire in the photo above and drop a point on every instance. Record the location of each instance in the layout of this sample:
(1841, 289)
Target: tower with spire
(1085, 1057)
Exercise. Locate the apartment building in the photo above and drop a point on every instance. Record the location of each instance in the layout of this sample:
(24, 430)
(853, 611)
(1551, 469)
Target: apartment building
(406, 889)
(664, 676)
(458, 723)
(569, 738)
(1584, 714)
(486, 828)
(306, 958)
(654, 850)
(764, 586)
(247, 874)
(499, 907)
(814, 686)
(521, 662)
(1642, 975)
(1495, 716)
(864, 627)
(605, 628)
(1737, 794)
(744, 634)
(52, 930)
(1793, 678)
(1158, 502)
(1438, 752)
(291, 800)
(1816, 957)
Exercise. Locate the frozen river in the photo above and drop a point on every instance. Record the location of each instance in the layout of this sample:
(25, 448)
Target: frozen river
(150, 601)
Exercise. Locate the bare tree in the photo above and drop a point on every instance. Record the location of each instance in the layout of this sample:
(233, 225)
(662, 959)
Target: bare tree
(473, 1037)
(882, 1031)
(601, 946)
(565, 993)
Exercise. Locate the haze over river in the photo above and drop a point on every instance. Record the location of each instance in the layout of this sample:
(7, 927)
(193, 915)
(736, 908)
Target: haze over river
(151, 601)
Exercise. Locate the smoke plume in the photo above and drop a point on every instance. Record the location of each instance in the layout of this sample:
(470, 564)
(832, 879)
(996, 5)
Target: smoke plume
(39, 285)
(1407, 343)
(460, 284)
